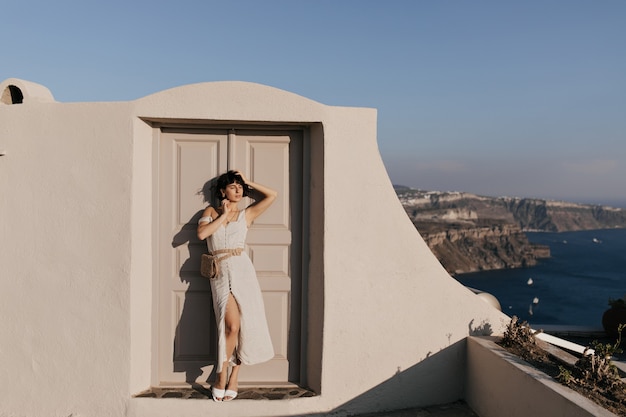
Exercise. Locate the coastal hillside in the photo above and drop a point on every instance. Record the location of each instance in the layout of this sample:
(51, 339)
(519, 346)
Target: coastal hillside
(470, 233)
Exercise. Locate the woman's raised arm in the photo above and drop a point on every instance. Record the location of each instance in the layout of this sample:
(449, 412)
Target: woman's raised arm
(268, 196)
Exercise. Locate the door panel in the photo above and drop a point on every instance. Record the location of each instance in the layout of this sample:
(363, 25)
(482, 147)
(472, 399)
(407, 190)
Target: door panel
(187, 336)
(266, 155)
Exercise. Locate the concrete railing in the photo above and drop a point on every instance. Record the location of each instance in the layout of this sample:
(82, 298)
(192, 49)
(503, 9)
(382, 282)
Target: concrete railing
(501, 384)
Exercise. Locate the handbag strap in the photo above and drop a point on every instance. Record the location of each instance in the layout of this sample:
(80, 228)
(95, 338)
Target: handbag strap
(231, 252)
(228, 252)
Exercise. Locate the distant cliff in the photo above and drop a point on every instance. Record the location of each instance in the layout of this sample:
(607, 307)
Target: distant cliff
(558, 216)
(462, 248)
(471, 233)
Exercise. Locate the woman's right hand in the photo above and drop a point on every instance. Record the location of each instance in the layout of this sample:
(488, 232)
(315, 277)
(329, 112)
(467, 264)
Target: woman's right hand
(225, 207)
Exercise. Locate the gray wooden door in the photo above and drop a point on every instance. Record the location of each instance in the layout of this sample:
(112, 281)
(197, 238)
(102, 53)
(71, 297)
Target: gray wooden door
(188, 158)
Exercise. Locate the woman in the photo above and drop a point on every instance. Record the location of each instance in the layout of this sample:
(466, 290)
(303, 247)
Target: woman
(243, 336)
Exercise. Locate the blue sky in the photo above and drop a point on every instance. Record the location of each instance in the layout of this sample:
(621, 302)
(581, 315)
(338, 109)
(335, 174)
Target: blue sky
(522, 98)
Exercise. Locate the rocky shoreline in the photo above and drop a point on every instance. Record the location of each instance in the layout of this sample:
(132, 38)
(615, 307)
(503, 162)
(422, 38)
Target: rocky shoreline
(470, 233)
(471, 249)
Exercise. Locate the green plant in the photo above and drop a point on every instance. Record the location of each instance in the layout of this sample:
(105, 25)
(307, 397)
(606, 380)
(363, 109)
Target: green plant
(565, 375)
(521, 337)
(596, 367)
(593, 375)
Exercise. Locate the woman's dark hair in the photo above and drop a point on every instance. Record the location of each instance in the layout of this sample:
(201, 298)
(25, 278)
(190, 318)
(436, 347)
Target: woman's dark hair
(224, 180)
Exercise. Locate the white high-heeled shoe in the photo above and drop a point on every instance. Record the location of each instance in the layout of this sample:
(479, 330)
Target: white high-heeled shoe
(218, 394)
(229, 395)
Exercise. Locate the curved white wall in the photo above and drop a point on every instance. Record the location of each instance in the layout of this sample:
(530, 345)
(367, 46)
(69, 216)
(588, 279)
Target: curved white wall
(28, 90)
(77, 257)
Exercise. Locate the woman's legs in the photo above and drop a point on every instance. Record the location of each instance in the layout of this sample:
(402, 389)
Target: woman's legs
(232, 320)
(233, 382)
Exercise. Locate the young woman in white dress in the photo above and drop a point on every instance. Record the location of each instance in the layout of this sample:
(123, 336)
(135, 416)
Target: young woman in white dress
(243, 335)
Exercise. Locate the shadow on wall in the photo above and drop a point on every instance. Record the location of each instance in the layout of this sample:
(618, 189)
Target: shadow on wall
(195, 343)
(421, 385)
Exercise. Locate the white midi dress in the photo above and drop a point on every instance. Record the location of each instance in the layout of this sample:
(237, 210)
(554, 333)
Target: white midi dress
(237, 276)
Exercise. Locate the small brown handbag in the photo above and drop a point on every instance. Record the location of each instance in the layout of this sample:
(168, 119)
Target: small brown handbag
(210, 262)
(209, 266)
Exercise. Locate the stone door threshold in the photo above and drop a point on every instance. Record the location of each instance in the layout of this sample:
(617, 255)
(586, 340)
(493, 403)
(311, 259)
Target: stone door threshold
(200, 392)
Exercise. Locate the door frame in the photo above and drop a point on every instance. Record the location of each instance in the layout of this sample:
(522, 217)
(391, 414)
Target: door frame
(300, 158)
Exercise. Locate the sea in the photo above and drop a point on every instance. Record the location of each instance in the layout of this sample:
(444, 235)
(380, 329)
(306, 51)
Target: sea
(571, 288)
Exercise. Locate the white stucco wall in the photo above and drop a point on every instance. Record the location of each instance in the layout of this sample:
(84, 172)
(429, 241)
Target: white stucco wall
(65, 201)
(77, 256)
